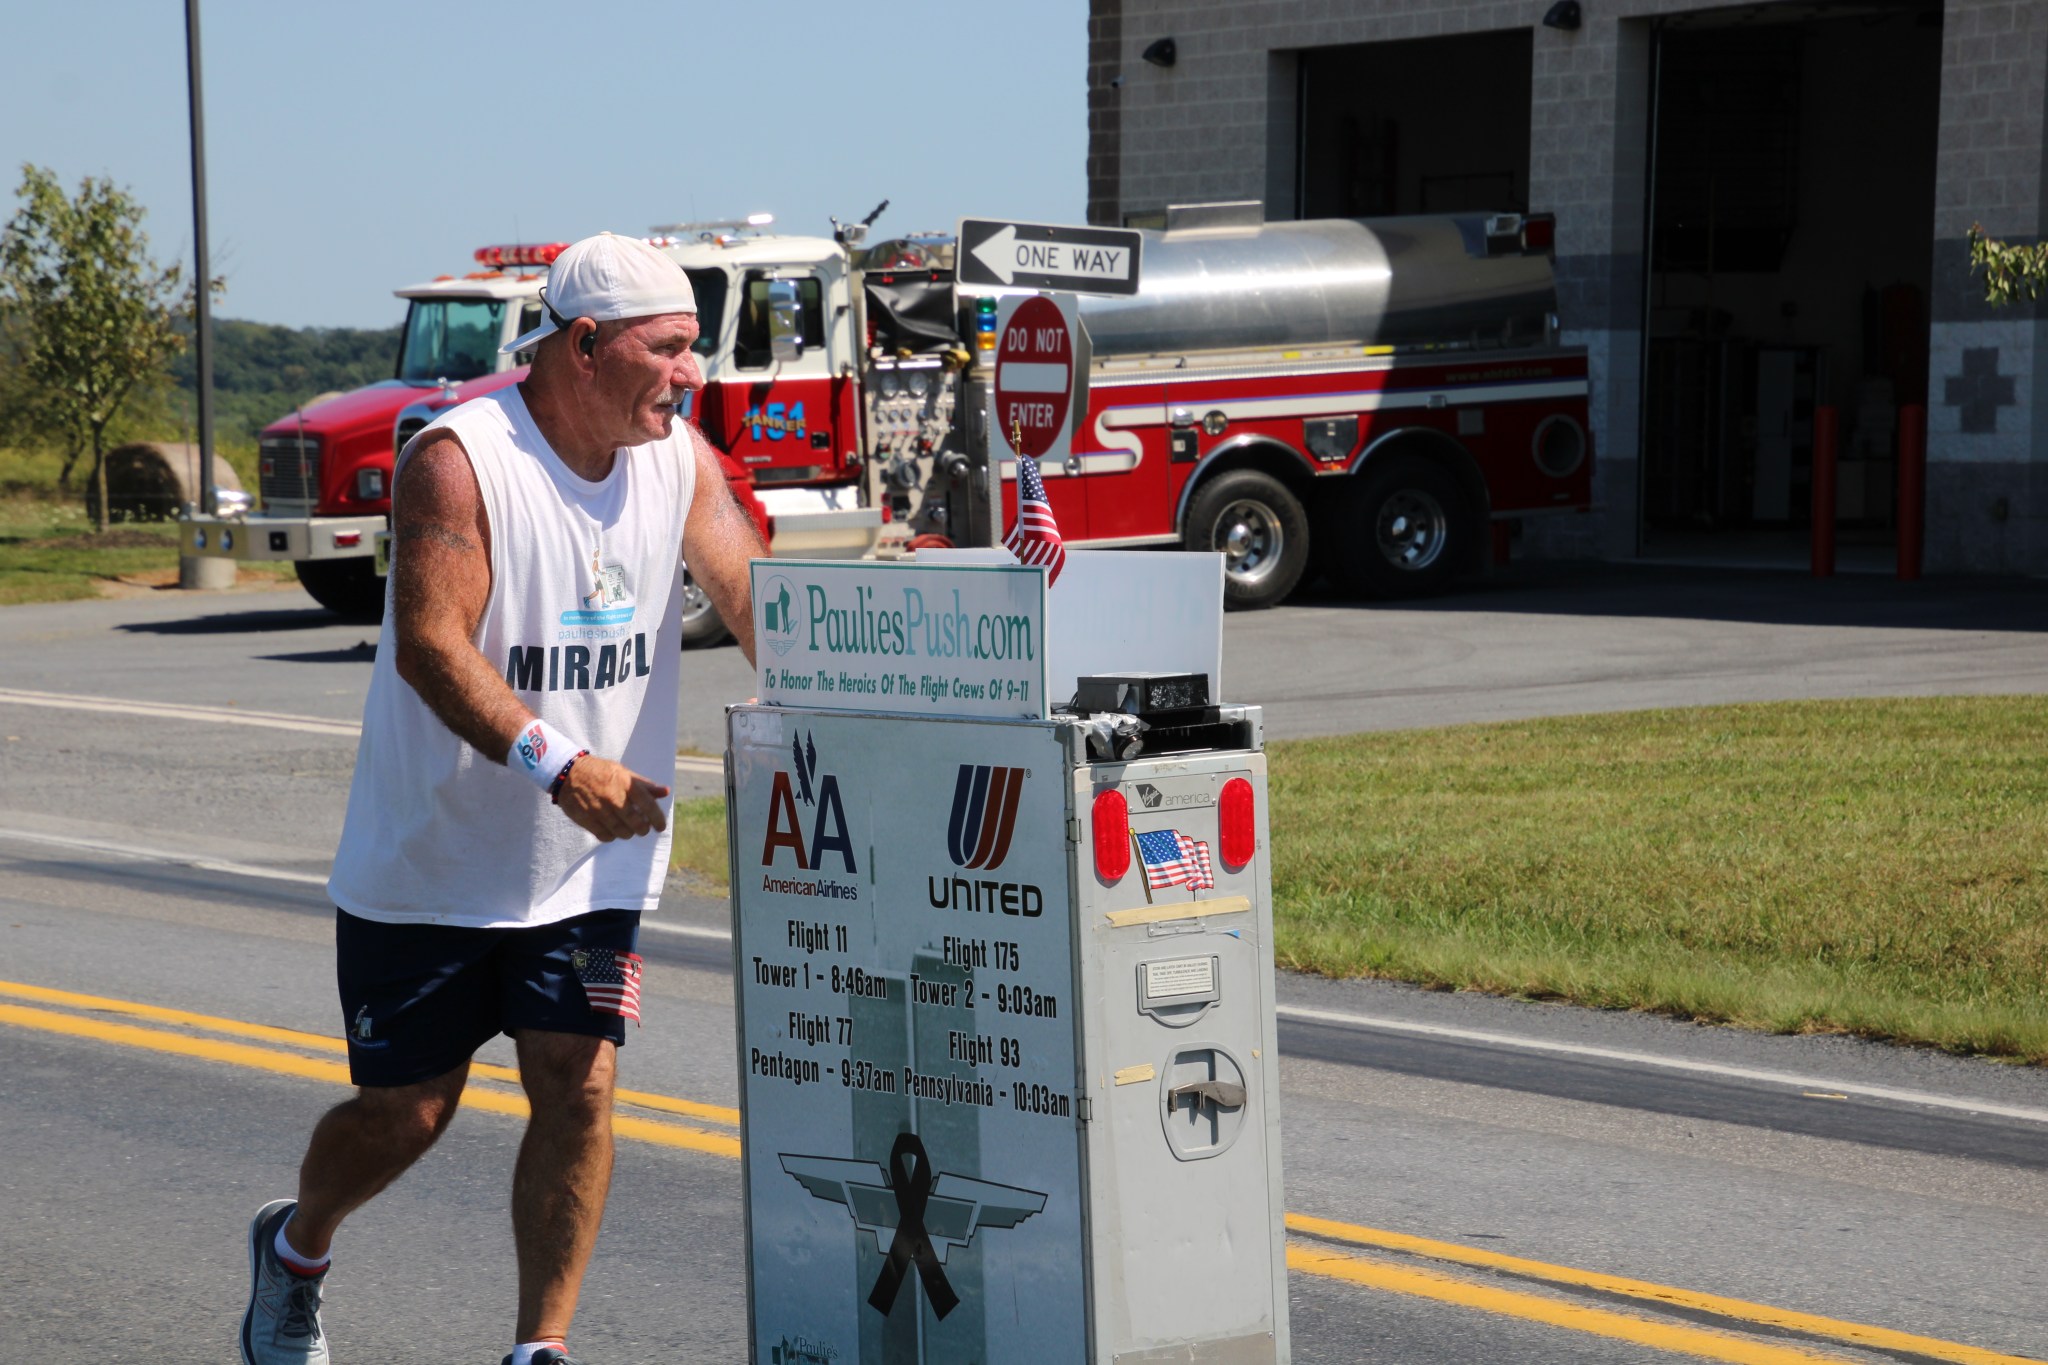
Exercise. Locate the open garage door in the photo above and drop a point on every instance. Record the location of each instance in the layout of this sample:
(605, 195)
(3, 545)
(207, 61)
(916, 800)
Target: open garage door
(1792, 219)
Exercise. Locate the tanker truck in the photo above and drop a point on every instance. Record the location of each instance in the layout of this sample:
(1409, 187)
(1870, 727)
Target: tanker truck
(1365, 397)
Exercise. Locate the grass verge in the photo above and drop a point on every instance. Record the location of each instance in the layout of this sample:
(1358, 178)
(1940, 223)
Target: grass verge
(49, 552)
(1873, 867)
(697, 848)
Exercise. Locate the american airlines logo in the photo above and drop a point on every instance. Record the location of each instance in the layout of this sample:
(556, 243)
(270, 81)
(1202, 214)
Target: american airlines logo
(820, 791)
(984, 815)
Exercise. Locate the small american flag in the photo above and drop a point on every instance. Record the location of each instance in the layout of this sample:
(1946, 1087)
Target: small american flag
(1173, 859)
(611, 980)
(1035, 539)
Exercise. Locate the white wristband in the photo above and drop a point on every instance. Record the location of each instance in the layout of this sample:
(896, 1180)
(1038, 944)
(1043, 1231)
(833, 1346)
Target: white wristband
(539, 752)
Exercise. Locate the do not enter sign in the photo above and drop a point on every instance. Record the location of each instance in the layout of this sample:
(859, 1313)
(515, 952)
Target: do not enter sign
(1035, 356)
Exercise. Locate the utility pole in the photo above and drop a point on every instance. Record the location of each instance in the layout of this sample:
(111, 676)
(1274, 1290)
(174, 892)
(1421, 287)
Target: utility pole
(196, 571)
(202, 265)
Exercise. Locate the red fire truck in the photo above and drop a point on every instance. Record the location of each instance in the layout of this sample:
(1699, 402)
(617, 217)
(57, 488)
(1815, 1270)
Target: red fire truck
(1367, 397)
(838, 437)
(324, 471)
(1372, 398)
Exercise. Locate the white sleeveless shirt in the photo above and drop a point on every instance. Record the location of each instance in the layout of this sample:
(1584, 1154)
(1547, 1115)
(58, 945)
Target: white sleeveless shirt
(583, 622)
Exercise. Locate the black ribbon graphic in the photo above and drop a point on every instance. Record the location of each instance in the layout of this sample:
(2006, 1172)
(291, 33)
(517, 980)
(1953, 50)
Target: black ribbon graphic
(912, 1243)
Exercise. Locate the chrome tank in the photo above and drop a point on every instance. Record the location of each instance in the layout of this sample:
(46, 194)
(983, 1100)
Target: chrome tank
(1407, 282)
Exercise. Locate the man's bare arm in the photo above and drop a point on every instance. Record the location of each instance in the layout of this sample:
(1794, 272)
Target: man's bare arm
(441, 581)
(719, 539)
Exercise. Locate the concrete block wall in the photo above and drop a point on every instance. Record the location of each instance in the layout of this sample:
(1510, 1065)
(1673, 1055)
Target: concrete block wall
(1219, 125)
(1987, 438)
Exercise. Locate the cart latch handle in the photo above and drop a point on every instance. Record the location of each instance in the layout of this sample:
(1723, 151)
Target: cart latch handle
(1221, 1094)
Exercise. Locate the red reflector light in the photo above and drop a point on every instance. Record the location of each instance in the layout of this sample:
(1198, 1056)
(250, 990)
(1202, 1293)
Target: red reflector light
(1539, 233)
(347, 540)
(522, 254)
(1112, 835)
(1239, 827)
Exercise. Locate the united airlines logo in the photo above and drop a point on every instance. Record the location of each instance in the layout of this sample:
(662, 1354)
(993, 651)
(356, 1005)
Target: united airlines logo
(984, 815)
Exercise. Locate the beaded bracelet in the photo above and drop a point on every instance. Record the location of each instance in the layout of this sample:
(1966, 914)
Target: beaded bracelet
(555, 787)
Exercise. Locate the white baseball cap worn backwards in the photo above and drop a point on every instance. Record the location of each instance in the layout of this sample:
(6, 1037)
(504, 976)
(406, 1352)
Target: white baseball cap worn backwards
(605, 278)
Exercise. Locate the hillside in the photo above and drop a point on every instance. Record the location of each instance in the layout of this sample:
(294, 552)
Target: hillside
(260, 371)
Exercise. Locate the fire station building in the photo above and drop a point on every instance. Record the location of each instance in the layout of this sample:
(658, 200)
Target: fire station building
(1760, 210)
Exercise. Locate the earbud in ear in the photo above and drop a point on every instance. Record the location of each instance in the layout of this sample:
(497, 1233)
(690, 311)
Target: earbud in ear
(590, 343)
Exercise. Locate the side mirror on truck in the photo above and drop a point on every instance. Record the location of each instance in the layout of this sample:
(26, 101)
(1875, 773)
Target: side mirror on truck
(785, 321)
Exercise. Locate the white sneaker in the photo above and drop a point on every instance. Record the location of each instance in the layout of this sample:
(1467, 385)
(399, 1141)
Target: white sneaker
(282, 1325)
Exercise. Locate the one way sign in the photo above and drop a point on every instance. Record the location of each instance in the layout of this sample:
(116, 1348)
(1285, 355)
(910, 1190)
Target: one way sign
(1076, 260)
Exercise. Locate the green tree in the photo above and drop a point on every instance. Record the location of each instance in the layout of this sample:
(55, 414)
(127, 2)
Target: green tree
(92, 316)
(2011, 272)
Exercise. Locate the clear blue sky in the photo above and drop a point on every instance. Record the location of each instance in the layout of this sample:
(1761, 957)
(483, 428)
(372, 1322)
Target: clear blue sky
(353, 148)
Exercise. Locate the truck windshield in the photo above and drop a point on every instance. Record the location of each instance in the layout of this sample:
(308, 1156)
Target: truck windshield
(451, 339)
(709, 287)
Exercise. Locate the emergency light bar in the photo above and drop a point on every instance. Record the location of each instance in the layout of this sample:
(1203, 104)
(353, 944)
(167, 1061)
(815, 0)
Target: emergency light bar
(542, 254)
(676, 234)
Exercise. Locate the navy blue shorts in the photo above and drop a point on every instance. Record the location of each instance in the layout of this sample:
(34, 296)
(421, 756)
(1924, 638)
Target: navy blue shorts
(420, 999)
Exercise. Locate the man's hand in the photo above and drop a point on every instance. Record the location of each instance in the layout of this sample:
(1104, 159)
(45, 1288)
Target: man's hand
(611, 800)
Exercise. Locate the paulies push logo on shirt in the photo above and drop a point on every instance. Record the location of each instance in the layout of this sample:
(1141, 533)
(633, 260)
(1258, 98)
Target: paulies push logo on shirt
(609, 657)
(608, 603)
(803, 785)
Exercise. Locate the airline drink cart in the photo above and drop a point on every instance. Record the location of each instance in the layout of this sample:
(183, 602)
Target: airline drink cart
(1004, 971)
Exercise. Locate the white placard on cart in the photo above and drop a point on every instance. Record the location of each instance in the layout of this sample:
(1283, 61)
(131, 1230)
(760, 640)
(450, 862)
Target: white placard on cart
(1114, 611)
(904, 639)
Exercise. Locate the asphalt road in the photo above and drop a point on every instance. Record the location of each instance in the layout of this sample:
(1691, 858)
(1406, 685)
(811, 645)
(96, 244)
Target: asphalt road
(1663, 1191)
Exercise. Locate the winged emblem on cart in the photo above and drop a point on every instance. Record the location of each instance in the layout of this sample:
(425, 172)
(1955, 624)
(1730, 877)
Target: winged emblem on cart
(917, 1216)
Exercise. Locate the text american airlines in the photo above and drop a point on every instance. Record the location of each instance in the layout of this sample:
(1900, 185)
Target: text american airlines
(826, 838)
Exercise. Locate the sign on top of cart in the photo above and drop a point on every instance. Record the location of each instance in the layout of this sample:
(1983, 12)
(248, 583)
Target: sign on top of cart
(909, 639)
(1076, 260)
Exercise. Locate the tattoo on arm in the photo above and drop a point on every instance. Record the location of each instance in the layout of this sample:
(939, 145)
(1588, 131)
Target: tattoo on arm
(440, 581)
(447, 537)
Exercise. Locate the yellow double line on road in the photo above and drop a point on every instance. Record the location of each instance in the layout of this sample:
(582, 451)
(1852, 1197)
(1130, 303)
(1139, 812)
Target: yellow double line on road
(1394, 1262)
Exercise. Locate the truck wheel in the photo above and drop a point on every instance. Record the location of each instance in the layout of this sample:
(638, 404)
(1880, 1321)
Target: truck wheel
(702, 627)
(1261, 530)
(350, 588)
(1408, 531)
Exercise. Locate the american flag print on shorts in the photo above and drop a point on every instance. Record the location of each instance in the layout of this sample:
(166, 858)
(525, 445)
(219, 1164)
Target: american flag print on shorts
(1035, 539)
(1173, 859)
(611, 980)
